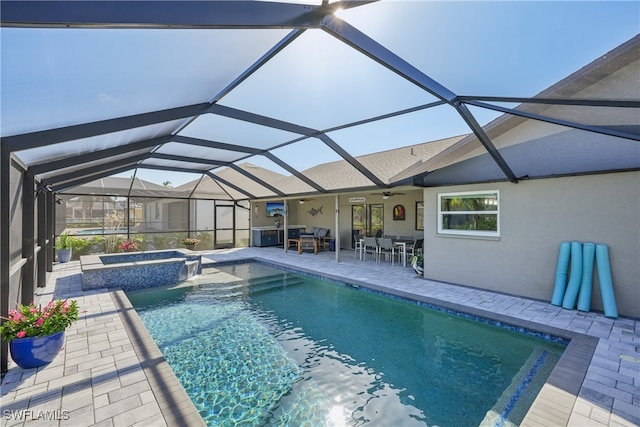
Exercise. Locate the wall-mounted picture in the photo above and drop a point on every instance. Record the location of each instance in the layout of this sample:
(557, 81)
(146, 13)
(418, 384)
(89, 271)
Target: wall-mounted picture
(275, 209)
(419, 215)
(398, 213)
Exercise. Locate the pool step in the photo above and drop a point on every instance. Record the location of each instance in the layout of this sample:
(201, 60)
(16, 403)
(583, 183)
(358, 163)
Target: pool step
(281, 282)
(231, 282)
(233, 290)
(221, 281)
(242, 286)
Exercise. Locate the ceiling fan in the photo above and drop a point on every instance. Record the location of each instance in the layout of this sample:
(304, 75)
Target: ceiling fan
(386, 194)
(301, 201)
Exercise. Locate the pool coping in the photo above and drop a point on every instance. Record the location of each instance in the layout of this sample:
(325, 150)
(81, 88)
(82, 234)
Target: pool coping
(552, 406)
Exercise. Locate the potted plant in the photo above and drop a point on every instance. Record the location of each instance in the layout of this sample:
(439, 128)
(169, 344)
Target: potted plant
(417, 262)
(190, 242)
(36, 333)
(64, 248)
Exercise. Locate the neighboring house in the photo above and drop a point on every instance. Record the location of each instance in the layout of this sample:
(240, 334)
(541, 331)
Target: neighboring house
(151, 207)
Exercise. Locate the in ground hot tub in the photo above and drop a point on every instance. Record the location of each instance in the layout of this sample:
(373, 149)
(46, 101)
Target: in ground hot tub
(137, 270)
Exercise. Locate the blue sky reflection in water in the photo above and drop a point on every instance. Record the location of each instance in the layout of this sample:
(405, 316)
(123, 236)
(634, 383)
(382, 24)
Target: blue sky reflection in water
(266, 352)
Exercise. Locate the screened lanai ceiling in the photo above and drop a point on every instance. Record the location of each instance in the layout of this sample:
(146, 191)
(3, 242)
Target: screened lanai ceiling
(250, 99)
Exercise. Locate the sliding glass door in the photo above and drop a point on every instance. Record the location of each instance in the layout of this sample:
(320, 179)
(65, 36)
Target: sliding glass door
(366, 219)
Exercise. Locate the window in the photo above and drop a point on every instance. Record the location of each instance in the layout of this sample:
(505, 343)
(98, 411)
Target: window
(474, 213)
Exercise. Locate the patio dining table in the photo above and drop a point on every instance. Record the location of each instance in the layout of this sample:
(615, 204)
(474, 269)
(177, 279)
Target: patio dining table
(400, 243)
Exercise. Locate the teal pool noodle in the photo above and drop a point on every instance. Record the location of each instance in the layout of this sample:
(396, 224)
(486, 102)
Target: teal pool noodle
(561, 273)
(584, 297)
(606, 284)
(575, 278)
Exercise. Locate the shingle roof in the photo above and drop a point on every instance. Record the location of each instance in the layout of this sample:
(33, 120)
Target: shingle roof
(120, 186)
(334, 176)
(385, 164)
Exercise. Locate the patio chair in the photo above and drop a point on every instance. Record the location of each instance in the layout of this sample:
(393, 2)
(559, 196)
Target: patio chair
(306, 242)
(386, 247)
(416, 247)
(321, 235)
(357, 245)
(371, 247)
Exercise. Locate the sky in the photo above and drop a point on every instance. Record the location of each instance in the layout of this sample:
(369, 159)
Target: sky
(501, 48)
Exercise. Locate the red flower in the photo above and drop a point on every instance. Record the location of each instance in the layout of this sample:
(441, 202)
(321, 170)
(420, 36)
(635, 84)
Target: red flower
(128, 246)
(15, 315)
(33, 321)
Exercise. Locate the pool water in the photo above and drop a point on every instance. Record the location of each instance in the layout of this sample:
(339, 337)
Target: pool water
(99, 231)
(253, 345)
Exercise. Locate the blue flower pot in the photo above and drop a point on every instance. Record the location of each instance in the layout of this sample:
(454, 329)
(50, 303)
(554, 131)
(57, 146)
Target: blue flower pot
(33, 352)
(64, 255)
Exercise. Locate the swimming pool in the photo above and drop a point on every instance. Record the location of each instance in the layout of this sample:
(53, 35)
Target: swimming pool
(262, 346)
(99, 231)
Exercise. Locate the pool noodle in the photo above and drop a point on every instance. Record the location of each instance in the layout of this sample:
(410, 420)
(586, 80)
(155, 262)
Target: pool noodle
(561, 273)
(584, 298)
(575, 278)
(606, 284)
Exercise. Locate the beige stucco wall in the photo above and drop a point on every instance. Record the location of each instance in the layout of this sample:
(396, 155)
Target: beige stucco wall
(535, 217)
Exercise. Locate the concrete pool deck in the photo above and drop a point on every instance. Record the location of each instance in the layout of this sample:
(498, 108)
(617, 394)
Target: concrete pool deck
(110, 372)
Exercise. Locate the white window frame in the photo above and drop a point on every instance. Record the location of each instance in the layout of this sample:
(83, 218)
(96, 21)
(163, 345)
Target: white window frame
(475, 233)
